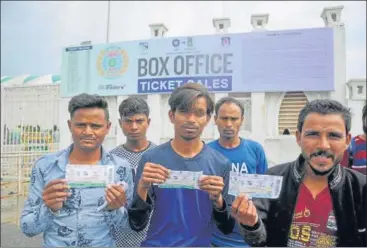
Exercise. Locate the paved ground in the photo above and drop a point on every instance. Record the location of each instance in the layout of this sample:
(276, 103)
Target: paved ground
(11, 236)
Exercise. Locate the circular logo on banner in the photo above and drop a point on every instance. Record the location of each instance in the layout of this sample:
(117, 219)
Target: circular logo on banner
(176, 42)
(112, 62)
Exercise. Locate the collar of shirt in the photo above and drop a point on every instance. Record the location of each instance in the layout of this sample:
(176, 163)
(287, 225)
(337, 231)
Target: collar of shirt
(63, 157)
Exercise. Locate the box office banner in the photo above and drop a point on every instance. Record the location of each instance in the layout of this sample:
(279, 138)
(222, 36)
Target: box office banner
(270, 61)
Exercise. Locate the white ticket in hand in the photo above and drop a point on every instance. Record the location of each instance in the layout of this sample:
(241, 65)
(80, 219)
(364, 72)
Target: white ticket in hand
(182, 179)
(82, 176)
(255, 185)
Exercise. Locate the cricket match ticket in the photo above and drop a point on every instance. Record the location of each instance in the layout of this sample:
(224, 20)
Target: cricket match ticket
(255, 185)
(89, 175)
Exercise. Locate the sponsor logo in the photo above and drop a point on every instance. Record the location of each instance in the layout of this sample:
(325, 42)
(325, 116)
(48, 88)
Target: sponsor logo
(112, 62)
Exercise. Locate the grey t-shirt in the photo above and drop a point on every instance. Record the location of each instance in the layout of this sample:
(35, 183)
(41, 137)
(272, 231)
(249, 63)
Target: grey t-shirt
(132, 238)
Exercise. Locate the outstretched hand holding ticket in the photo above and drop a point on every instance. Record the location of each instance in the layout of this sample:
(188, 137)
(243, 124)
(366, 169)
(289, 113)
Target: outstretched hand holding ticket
(55, 193)
(152, 173)
(115, 196)
(244, 210)
(214, 186)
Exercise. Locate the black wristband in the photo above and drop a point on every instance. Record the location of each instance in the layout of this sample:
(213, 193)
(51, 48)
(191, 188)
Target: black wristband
(252, 228)
(222, 208)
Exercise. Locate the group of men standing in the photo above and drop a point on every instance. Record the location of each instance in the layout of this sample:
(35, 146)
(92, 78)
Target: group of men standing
(321, 203)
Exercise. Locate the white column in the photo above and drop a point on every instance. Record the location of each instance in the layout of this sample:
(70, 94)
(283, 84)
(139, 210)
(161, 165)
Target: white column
(356, 102)
(217, 96)
(258, 107)
(340, 76)
(158, 30)
(64, 116)
(258, 113)
(332, 18)
(221, 26)
(259, 22)
(120, 137)
(154, 133)
(2, 115)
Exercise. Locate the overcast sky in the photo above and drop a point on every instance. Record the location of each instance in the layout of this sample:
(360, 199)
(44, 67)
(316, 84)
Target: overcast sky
(33, 33)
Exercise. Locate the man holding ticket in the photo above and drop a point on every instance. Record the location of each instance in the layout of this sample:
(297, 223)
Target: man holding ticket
(321, 203)
(134, 123)
(184, 180)
(246, 156)
(77, 196)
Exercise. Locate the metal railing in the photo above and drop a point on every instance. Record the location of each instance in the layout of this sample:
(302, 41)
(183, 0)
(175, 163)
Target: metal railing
(16, 170)
(29, 129)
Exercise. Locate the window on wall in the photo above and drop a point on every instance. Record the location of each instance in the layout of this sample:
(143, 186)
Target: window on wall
(245, 98)
(290, 107)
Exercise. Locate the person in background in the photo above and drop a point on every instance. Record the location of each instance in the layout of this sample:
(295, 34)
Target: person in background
(80, 216)
(246, 156)
(355, 157)
(134, 122)
(183, 216)
(321, 203)
(286, 132)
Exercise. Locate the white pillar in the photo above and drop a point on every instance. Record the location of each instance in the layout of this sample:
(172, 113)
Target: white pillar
(158, 30)
(120, 137)
(258, 107)
(332, 18)
(356, 100)
(64, 116)
(217, 96)
(221, 25)
(2, 115)
(259, 22)
(258, 114)
(154, 132)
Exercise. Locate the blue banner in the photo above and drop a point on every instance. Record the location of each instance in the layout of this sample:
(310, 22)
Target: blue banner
(292, 60)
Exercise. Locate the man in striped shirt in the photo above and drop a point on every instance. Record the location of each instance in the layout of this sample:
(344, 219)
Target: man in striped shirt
(355, 157)
(134, 123)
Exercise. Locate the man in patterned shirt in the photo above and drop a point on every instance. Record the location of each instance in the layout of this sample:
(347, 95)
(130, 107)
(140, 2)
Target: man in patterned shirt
(134, 122)
(78, 216)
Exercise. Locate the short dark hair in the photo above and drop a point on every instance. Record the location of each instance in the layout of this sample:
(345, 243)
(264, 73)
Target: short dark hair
(133, 105)
(85, 100)
(184, 96)
(364, 111)
(229, 100)
(324, 107)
